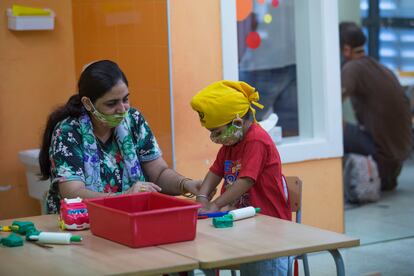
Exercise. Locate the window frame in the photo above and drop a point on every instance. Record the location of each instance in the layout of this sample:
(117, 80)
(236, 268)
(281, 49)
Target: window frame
(319, 92)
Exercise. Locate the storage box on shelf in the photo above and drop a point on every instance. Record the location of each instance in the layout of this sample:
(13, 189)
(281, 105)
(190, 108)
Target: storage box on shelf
(30, 23)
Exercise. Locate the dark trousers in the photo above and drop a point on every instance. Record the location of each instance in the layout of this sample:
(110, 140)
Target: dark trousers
(357, 140)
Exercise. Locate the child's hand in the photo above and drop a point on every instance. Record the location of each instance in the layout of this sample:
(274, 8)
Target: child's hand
(205, 204)
(227, 208)
(210, 207)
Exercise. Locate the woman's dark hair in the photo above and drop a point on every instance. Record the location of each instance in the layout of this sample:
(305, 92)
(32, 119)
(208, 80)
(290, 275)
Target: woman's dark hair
(350, 34)
(95, 80)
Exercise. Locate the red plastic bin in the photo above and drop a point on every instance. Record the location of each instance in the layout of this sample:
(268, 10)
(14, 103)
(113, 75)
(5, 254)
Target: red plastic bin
(143, 219)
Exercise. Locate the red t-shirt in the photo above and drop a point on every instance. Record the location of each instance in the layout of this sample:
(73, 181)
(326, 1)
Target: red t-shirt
(255, 157)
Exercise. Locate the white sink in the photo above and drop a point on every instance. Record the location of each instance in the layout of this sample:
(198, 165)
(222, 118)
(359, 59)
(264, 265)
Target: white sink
(37, 188)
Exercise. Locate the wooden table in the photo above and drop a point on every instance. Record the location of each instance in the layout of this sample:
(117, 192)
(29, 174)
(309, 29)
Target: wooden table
(93, 256)
(259, 238)
(252, 239)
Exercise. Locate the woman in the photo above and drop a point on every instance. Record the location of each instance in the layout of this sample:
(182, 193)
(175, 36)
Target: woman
(96, 145)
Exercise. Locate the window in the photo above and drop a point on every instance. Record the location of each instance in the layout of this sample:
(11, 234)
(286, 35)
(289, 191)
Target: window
(389, 24)
(267, 58)
(318, 79)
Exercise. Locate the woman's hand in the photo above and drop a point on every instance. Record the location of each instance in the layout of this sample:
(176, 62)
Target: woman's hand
(139, 187)
(193, 186)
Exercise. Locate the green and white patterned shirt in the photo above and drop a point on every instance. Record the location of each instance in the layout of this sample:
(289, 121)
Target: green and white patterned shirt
(68, 155)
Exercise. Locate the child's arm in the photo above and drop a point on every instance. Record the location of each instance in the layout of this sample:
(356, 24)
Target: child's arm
(209, 184)
(235, 191)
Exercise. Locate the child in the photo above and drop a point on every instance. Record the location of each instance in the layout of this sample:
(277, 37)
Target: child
(248, 160)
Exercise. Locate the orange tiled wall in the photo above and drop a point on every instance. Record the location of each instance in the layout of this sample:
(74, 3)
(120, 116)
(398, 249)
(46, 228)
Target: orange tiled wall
(133, 34)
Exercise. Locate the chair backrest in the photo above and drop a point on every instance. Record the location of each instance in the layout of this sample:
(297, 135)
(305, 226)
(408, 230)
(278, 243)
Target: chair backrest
(294, 185)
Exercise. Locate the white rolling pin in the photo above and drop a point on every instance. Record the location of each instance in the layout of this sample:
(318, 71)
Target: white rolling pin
(242, 213)
(56, 238)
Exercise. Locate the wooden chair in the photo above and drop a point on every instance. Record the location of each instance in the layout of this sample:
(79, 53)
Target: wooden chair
(294, 185)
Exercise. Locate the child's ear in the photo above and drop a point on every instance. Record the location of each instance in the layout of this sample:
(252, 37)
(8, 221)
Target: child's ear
(238, 122)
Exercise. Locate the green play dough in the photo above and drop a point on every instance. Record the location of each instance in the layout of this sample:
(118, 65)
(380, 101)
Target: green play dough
(222, 222)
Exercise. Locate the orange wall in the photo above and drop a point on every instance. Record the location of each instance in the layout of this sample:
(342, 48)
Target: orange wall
(196, 56)
(133, 34)
(37, 74)
(196, 62)
(322, 193)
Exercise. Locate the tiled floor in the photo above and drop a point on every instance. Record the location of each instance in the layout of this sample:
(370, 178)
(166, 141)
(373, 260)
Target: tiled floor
(386, 230)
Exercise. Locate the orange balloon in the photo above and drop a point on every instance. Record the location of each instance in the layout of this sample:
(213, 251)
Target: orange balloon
(243, 9)
(261, 2)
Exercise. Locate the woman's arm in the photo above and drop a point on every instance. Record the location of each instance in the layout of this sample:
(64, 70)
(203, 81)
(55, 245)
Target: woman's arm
(170, 181)
(72, 189)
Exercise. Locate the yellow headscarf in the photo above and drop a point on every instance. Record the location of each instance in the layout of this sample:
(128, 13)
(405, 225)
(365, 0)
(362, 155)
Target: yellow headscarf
(220, 102)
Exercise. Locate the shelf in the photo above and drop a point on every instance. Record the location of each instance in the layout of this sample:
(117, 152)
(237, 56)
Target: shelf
(30, 23)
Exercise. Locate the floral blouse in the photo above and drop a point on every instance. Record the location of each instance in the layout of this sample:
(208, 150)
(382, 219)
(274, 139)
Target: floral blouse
(69, 158)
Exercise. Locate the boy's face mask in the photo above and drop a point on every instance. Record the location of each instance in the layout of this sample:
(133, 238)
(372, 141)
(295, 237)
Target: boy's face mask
(229, 136)
(112, 120)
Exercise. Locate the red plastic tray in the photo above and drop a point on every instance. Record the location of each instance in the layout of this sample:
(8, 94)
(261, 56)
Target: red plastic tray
(143, 219)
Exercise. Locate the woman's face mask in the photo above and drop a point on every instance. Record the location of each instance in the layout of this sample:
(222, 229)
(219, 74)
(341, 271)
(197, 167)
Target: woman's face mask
(112, 120)
(229, 136)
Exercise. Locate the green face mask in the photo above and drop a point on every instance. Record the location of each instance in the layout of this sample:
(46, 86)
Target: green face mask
(111, 120)
(232, 135)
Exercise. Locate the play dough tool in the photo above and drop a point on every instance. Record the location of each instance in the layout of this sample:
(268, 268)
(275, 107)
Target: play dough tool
(227, 220)
(212, 215)
(242, 213)
(55, 237)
